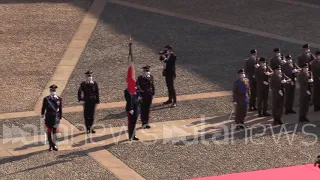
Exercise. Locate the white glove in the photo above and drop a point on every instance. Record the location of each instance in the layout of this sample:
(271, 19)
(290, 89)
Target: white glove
(235, 103)
(284, 81)
(308, 92)
(256, 65)
(42, 118)
(131, 112)
(310, 80)
(294, 71)
(139, 98)
(267, 73)
(281, 93)
(81, 102)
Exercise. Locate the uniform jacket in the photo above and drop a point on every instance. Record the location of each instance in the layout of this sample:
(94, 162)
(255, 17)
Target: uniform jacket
(170, 66)
(146, 85)
(238, 94)
(261, 76)
(303, 81)
(49, 112)
(288, 68)
(315, 68)
(89, 92)
(275, 62)
(132, 101)
(305, 58)
(250, 67)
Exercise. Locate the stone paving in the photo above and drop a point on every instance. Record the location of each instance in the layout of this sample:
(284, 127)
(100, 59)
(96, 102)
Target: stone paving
(207, 37)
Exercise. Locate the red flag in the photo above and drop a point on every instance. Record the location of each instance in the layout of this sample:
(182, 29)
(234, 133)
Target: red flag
(131, 79)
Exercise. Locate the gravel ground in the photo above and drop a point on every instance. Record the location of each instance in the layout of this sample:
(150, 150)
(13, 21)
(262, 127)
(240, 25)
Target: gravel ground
(33, 39)
(203, 53)
(52, 165)
(269, 16)
(20, 127)
(316, 2)
(184, 110)
(210, 158)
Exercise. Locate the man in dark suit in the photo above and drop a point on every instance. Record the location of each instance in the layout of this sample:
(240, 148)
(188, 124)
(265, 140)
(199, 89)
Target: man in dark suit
(169, 72)
(51, 113)
(88, 95)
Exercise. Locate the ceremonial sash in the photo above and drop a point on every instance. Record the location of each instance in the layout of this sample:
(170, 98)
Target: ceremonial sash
(52, 106)
(244, 90)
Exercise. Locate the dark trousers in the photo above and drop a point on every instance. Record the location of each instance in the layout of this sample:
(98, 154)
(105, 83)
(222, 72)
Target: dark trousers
(171, 90)
(277, 105)
(88, 112)
(289, 98)
(51, 133)
(145, 108)
(132, 120)
(263, 95)
(240, 113)
(304, 104)
(253, 91)
(316, 94)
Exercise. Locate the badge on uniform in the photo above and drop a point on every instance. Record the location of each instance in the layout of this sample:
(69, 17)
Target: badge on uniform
(308, 92)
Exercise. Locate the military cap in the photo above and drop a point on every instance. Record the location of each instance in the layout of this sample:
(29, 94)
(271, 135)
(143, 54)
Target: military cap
(240, 71)
(288, 57)
(276, 50)
(305, 46)
(262, 60)
(304, 65)
(53, 87)
(88, 73)
(146, 68)
(317, 52)
(168, 47)
(253, 51)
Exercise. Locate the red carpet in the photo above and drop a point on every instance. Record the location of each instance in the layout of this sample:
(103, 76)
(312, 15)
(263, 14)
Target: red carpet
(308, 172)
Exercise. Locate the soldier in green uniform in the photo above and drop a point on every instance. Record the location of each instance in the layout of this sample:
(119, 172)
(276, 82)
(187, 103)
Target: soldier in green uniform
(290, 69)
(276, 60)
(306, 57)
(315, 68)
(250, 66)
(262, 74)
(305, 81)
(241, 93)
(278, 82)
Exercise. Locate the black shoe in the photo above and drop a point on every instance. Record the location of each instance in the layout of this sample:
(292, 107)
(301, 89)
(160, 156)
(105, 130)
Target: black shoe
(260, 115)
(135, 138)
(303, 119)
(146, 126)
(167, 102)
(287, 112)
(251, 109)
(93, 131)
(254, 108)
(291, 111)
(55, 148)
(316, 109)
(266, 114)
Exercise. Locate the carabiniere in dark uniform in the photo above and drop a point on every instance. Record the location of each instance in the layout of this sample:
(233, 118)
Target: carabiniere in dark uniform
(90, 99)
(146, 86)
(250, 66)
(51, 112)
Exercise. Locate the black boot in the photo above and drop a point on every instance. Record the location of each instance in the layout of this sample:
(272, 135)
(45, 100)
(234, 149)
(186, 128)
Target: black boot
(292, 111)
(266, 114)
(167, 102)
